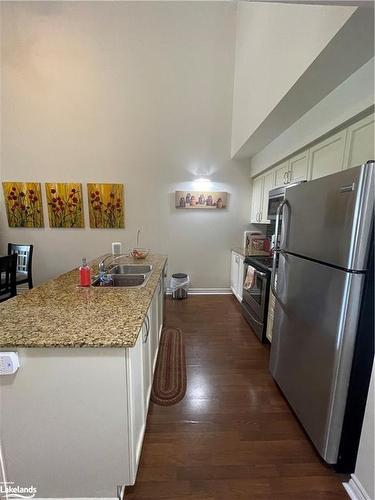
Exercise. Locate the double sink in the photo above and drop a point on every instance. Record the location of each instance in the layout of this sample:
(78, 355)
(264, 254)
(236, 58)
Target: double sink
(126, 275)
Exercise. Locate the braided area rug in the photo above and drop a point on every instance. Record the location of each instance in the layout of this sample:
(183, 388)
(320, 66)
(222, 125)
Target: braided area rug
(169, 384)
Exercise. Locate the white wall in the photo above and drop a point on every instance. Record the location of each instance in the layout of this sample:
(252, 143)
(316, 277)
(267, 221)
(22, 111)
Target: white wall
(353, 96)
(132, 92)
(276, 43)
(365, 466)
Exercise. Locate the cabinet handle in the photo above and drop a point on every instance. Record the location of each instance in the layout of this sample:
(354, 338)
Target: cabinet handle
(285, 177)
(147, 321)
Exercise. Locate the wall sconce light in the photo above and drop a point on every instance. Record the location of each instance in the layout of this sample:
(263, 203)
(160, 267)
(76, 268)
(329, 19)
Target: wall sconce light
(202, 183)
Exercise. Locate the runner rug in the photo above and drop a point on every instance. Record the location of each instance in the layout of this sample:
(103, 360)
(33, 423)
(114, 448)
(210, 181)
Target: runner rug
(169, 385)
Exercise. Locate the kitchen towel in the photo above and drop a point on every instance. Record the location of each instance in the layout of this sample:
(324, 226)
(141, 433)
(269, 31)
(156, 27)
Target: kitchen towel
(250, 278)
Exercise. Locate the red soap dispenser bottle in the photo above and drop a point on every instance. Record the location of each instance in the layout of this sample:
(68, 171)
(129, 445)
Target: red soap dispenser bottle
(84, 274)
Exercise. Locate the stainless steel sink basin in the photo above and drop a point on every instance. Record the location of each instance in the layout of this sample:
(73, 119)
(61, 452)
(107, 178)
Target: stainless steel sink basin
(130, 269)
(124, 280)
(128, 280)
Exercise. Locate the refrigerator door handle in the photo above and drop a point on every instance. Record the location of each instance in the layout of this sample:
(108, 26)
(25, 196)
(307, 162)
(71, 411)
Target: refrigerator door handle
(277, 248)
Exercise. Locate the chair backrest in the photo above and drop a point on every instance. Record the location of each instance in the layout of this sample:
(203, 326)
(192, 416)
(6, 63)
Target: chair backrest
(24, 256)
(8, 269)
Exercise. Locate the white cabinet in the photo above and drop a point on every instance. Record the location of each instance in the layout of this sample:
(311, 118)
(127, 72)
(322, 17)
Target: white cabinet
(348, 148)
(140, 366)
(293, 170)
(359, 146)
(137, 419)
(161, 299)
(84, 410)
(237, 275)
(154, 328)
(256, 200)
(298, 167)
(327, 156)
(268, 184)
(146, 361)
(281, 174)
(259, 204)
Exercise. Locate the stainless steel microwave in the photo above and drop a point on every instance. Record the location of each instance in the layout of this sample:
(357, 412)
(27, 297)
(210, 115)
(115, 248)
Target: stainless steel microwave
(275, 197)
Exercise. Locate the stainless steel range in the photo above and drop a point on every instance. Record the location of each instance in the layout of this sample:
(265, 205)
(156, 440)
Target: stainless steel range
(256, 287)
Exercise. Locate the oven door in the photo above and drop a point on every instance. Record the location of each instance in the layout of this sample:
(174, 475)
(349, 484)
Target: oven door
(255, 295)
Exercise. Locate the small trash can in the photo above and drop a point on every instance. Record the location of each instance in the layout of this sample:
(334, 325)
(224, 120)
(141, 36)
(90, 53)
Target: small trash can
(180, 285)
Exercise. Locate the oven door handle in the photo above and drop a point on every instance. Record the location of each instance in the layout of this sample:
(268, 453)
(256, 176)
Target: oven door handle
(263, 275)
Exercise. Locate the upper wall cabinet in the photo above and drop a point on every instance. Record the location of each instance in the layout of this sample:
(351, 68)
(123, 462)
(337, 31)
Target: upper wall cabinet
(293, 170)
(348, 148)
(298, 167)
(268, 184)
(327, 156)
(281, 174)
(359, 146)
(259, 204)
(256, 200)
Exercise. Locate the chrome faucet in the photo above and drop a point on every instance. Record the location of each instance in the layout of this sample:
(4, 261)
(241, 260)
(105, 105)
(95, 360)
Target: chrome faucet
(102, 267)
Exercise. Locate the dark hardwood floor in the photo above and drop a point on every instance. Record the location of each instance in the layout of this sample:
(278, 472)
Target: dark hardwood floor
(233, 436)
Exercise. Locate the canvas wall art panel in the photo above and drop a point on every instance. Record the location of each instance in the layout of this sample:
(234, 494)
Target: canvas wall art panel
(106, 205)
(65, 208)
(198, 199)
(23, 203)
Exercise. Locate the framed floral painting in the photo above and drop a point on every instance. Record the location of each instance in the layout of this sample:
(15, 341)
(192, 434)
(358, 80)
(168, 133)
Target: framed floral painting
(65, 207)
(23, 203)
(106, 205)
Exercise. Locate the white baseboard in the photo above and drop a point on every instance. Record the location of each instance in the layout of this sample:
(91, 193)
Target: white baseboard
(355, 490)
(210, 291)
(206, 291)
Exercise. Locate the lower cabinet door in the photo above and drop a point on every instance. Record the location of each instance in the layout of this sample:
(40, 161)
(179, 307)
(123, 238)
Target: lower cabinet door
(240, 279)
(160, 306)
(234, 272)
(146, 362)
(154, 330)
(136, 419)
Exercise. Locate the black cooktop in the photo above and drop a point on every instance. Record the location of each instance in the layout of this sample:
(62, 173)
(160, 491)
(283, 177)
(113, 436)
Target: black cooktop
(263, 262)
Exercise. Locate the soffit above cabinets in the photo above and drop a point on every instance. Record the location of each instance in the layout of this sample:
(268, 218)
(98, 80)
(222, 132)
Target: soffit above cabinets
(348, 44)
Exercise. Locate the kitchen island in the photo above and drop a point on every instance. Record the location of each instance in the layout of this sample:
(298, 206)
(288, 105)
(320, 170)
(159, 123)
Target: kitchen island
(59, 313)
(74, 414)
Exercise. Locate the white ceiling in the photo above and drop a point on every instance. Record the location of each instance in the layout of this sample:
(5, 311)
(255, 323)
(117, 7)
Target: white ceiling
(356, 3)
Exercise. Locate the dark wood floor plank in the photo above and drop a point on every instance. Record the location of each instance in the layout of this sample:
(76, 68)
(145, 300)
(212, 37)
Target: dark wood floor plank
(233, 436)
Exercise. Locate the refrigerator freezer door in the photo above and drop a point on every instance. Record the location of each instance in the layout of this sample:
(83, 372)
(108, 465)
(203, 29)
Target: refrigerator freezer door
(315, 321)
(329, 219)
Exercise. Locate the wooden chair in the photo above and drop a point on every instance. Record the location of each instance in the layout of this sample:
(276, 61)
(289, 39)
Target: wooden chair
(8, 269)
(24, 263)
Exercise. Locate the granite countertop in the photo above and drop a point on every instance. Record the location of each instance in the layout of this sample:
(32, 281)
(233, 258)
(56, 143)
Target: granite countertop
(59, 313)
(240, 250)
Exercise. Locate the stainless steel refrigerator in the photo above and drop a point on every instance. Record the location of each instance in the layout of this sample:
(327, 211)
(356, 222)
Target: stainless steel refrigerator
(323, 286)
